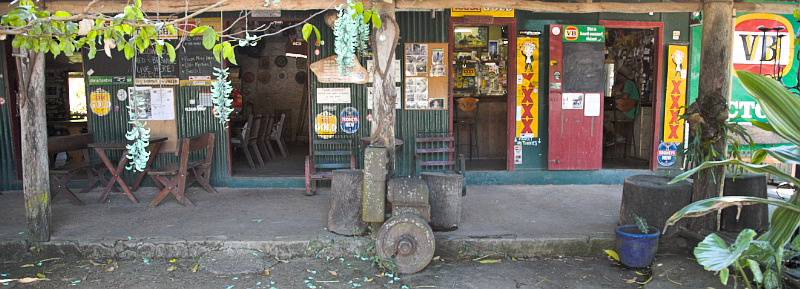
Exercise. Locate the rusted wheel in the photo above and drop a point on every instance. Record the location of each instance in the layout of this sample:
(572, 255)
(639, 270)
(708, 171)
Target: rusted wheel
(408, 241)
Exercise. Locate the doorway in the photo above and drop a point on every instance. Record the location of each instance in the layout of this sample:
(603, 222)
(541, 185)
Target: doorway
(633, 71)
(270, 81)
(482, 109)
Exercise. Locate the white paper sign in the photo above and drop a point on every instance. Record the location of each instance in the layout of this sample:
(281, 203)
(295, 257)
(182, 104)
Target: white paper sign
(333, 95)
(572, 101)
(159, 102)
(592, 106)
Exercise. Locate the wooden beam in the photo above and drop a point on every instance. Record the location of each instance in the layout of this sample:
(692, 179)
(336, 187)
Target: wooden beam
(114, 6)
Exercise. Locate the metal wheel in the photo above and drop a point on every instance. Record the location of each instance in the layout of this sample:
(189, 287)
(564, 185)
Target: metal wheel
(408, 241)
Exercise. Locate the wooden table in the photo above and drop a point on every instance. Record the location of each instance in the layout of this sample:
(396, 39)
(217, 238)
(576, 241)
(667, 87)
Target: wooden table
(116, 172)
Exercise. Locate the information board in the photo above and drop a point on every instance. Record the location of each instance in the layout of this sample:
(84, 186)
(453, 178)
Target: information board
(196, 62)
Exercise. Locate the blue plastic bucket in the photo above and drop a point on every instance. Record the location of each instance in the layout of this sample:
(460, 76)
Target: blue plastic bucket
(635, 249)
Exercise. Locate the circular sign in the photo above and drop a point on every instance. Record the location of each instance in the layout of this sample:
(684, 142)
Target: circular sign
(264, 77)
(100, 102)
(2, 100)
(349, 120)
(667, 152)
(281, 61)
(325, 124)
(301, 77)
(264, 63)
(122, 95)
(571, 33)
(556, 30)
(248, 77)
(763, 44)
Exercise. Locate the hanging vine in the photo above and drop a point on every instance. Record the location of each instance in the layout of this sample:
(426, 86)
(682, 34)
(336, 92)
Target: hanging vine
(351, 30)
(137, 150)
(220, 90)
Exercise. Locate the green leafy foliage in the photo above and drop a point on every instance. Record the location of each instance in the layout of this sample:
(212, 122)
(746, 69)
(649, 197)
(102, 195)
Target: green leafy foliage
(714, 255)
(641, 223)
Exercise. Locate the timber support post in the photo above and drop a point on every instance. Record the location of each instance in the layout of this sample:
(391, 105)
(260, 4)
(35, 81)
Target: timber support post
(712, 101)
(35, 169)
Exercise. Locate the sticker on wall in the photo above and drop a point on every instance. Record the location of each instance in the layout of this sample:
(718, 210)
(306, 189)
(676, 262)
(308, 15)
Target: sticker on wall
(2, 100)
(349, 120)
(517, 154)
(122, 95)
(667, 153)
(100, 102)
(325, 125)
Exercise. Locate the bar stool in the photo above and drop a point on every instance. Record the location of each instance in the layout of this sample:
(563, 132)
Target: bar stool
(467, 116)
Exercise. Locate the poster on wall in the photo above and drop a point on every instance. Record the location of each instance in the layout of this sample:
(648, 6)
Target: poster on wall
(676, 93)
(425, 84)
(333, 95)
(325, 124)
(100, 101)
(527, 87)
(159, 102)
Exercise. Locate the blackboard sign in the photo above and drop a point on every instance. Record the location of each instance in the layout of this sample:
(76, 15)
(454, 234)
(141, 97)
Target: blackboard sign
(150, 65)
(197, 62)
(583, 67)
(102, 65)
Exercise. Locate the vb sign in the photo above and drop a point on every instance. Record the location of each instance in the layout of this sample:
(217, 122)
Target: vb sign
(763, 44)
(571, 33)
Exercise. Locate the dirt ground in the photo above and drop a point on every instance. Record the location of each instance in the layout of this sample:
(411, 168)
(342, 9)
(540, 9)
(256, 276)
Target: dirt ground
(668, 271)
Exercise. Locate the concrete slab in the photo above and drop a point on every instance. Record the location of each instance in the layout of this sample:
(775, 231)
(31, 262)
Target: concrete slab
(520, 220)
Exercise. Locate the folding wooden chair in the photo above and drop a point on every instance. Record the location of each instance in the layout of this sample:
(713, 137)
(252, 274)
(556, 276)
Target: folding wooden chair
(176, 177)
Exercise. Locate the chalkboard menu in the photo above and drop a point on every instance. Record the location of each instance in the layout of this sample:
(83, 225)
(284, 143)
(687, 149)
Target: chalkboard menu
(152, 69)
(197, 62)
(102, 65)
(583, 67)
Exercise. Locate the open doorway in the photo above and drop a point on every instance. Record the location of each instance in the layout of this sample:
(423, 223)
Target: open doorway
(271, 82)
(632, 58)
(482, 57)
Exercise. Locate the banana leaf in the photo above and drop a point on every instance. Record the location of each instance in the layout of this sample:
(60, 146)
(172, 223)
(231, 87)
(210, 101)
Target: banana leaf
(756, 168)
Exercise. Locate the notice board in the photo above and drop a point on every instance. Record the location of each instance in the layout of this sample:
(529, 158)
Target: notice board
(152, 69)
(426, 76)
(583, 67)
(196, 63)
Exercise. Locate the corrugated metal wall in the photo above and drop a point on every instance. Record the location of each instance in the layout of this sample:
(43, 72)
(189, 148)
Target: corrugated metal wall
(7, 173)
(414, 27)
(114, 125)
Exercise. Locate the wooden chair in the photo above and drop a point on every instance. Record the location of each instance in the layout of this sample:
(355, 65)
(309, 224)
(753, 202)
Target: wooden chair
(248, 139)
(263, 137)
(277, 136)
(434, 152)
(59, 177)
(176, 177)
(328, 154)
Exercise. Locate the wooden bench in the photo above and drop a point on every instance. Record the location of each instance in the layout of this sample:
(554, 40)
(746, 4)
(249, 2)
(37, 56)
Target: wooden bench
(59, 177)
(328, 154)
(176, 177)
(436, 152)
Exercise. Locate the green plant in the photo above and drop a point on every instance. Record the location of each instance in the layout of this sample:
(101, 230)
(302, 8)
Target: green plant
(783, 110)
(351, 29)
(641, 223)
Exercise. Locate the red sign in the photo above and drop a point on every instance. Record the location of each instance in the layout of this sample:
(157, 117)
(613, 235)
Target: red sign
(763, 44)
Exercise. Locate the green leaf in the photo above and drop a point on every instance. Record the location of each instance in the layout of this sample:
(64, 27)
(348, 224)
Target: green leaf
(714, 255)
(198, 30)
(359, 7)
(723, 276)
(781, 106)
(172, 30)
(786, 154)
(307, 28)
(756, 168)
(69, 48)
(217, 51)
(128, 50)
(209, 38)
(92, 50)
(54, 48)
(763, 125)
(758, 276)
(138, 3)
(796, 13)
(376, 21)
(18, 41)
(367, 16)
(170, 51)
(706, 206)
(316, 32)
(159, 49)
(227, 52)
(62, 14)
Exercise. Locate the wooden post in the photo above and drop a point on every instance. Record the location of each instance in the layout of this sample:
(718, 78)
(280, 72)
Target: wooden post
(712, 101)
(384, 41)
(35, 170)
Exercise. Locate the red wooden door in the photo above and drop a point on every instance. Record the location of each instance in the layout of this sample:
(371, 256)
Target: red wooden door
(575, 127)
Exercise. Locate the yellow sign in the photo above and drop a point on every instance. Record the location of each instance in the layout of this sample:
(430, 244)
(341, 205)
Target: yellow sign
(494, 12)
(325, 125)
(676, 94)
(468, 72)
(100, 102)
(527, 87)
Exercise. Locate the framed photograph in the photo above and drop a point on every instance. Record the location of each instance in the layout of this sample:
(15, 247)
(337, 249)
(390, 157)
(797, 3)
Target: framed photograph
(493, 46)
(470, 37)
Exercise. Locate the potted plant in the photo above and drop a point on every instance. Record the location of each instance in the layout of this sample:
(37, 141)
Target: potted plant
(637, 243)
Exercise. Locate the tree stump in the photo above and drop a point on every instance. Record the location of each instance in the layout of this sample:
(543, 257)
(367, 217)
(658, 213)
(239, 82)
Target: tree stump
(651, 198)
(445, 198)
(409, 196)
(344, 216)
(755, 217)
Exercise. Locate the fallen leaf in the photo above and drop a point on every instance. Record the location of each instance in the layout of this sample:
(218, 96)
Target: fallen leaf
(266, 272)
(196, 266)
(40, 275)
(435, 258)
(333, 273)
(50, 259)
(26, 266)
(172, 268)
(613, 254)
(109, 269)
(94, 263)
(630, 281)
(30, 280)
(109, 261)
(490, 261)
(173, 260)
